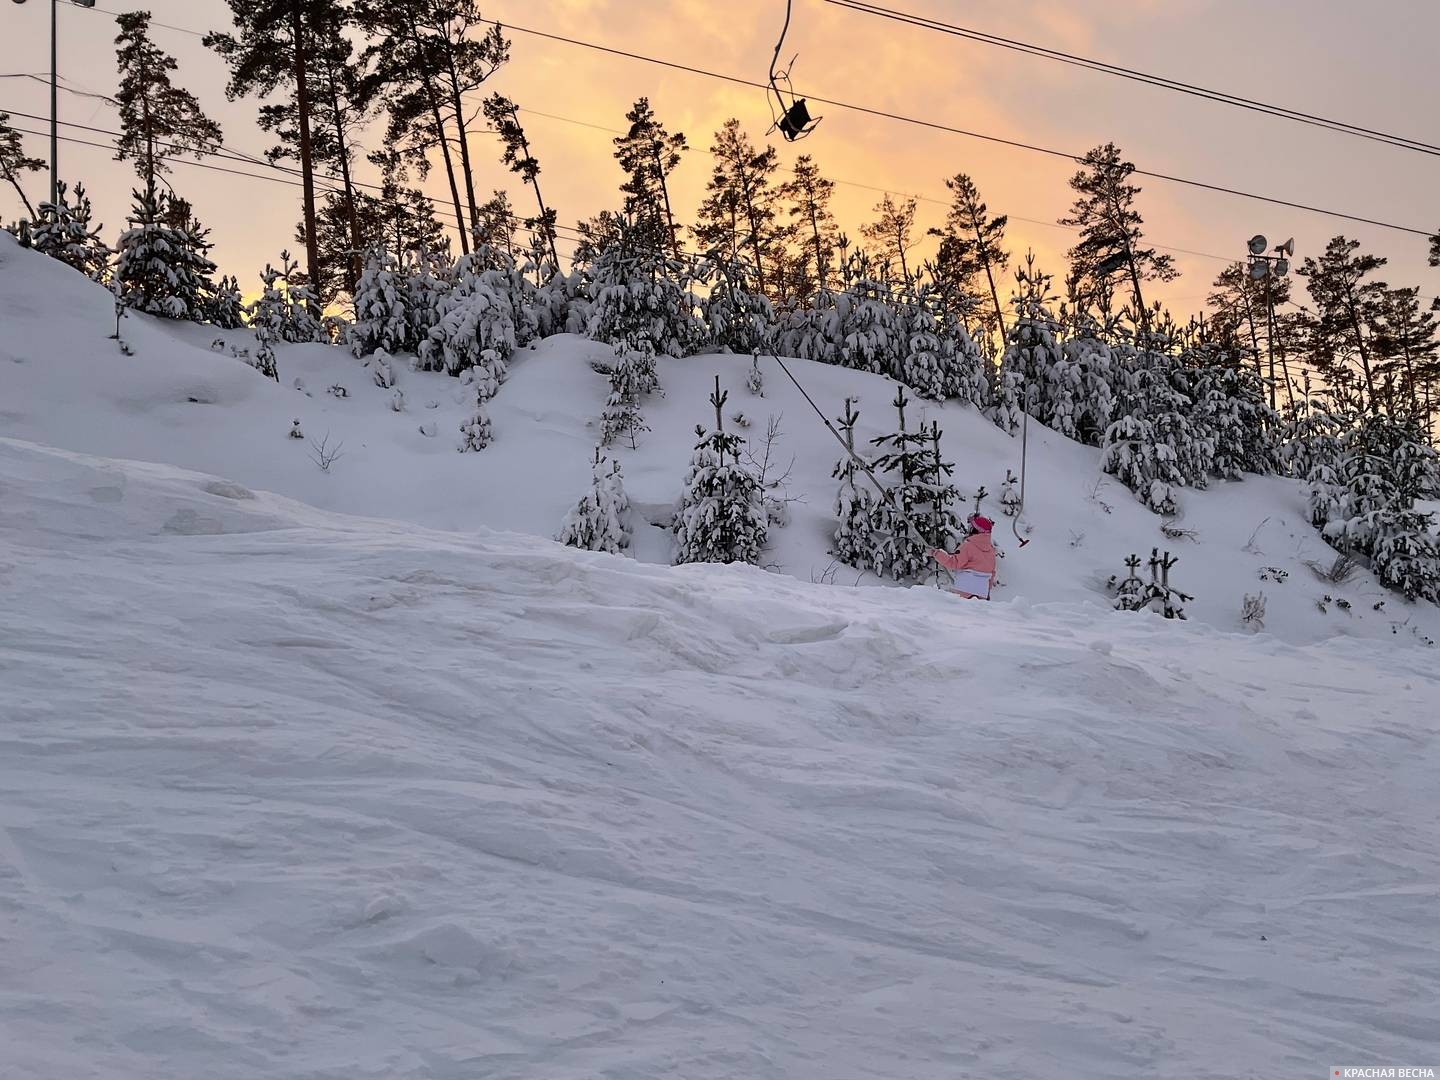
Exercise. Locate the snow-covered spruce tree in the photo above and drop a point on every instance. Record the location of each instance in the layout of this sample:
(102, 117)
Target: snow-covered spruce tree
(428, 280)
(158, 270)
(224, 307)
(1089, 372)
(928, 353)
(382, 318)
(286, 307)
(738, 318)
(857, 326)
(640, 296)
(755, 378)
(476, 330)
(1010, 495)
(1171, 412)
(476, 432)
(1028, 379)
(63, 231)
(1134, 455)
(855, 501)
(1386, 466)
(1309, 435)
(1234, 403)
(621, 416)
(600, 520)
(560, 304)
(920, 511)
(722, 516)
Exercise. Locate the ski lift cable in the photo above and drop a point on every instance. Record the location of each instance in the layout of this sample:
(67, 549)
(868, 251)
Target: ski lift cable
(935, 125)
(935, 199)
(1160, 81)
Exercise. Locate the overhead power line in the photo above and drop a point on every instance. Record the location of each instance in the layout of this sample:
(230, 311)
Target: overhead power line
(1118, 71)
(919, 122)
(444, 214)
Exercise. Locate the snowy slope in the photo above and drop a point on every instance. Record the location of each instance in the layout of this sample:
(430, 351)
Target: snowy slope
(291, 795)
(64, 384)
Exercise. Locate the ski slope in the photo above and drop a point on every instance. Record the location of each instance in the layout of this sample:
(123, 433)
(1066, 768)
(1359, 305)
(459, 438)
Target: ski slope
(63, 383)
(298, 795)
(327, 775)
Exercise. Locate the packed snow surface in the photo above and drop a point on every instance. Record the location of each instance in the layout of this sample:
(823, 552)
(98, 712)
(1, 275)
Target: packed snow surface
(317, 775)
(293, 795)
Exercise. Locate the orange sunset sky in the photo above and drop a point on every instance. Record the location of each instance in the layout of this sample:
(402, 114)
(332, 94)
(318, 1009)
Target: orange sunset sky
(1368, 64)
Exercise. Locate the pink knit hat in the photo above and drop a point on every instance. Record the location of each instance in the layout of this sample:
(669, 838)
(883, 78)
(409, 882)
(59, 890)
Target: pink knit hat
(982, 524)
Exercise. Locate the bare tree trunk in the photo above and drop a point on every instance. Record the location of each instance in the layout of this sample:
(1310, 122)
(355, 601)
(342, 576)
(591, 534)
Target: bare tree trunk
(439, 122)
(459, 107)
(307, 166)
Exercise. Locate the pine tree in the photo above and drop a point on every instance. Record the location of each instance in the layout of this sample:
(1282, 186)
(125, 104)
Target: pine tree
(1348, 306)
(156, 270)
(600, 521)
(649, 154)
(891, 233)
(1111, 238)
(224, 307)
(919, 513)
(972, 247)
(1405, 338)
(381, 308)
(1034, 374)
(811, 222)
(285, 309)
(63, 231)
(157, 118)
(14, 162)
(722, 516)
(505, 118)
(738, 317)
(856, 504)
(740, 206)
(428, 55)
(274, 47)
(476, 432)
(476, 330)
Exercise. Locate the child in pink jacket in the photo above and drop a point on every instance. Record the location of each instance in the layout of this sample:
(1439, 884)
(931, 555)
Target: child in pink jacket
(973, 562)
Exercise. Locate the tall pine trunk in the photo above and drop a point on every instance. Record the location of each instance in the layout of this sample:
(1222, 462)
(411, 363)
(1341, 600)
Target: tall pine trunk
(307, 165)
(422, 58)
(459, 107)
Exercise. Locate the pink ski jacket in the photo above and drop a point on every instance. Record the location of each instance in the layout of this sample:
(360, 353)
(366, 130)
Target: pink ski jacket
(976, 553)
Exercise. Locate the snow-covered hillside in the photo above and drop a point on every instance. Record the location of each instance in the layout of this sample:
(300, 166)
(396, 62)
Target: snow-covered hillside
(64, 383)
(292, 795)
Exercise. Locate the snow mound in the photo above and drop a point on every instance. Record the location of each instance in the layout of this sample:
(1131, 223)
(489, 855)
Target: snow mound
(309, 796)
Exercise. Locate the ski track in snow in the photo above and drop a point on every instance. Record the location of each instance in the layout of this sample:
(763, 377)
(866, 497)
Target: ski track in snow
(295, 795)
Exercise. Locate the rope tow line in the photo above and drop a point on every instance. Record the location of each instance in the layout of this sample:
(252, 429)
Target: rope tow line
(864, 466)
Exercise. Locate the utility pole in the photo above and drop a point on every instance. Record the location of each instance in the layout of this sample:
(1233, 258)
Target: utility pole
(55, 93)
(1265, 268)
